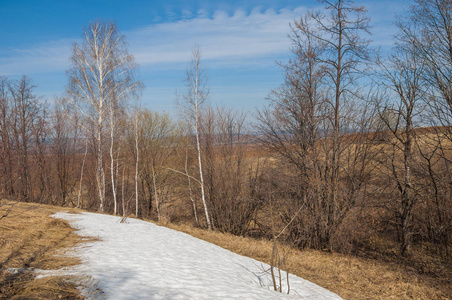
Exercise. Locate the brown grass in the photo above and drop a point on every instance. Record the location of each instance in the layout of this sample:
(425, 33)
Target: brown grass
(348, 276)
(30, 238)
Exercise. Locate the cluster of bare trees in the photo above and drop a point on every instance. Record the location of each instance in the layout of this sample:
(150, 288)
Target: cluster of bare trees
(316, 123)
(23, 137)
(419, 75)
(358, 152)
(352, 145)
(220, 174)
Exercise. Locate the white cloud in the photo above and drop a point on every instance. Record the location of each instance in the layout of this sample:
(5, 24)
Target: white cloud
(240, 37)
(46, 57)
(202, 13)
(383, 14)
(186, 14)
(253, 38)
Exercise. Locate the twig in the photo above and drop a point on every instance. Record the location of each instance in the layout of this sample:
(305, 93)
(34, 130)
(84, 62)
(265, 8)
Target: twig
(189, 176)
(8, 211)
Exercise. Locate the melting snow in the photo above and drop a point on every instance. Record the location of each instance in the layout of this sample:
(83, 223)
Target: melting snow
(141, 260)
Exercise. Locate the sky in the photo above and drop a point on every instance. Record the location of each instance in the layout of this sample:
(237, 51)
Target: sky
(240, 41)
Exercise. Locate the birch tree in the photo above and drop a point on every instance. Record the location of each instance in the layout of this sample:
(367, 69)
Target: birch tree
(102, 72)
(193, 102)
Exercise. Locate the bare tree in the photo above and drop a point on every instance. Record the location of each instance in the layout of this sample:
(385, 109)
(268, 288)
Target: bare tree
(159, 138)
(315, 119)
(194, 99)
(63, 145)
(345, 51)
(42, 169)
(26, 113)
(102, 72)
(6, 139)
(427, 35)
(228, 179)
(403, 74)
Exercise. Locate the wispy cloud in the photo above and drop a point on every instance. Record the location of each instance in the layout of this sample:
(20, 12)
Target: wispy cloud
(225, 39)
(242, 38)
(384, 14)
(46, 57)
(228, 40)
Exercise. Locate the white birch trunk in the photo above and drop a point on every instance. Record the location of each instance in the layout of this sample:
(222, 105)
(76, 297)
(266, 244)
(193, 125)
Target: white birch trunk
(136, 165)
(198, 146)
(155, 194)
(195, 209)
(122, 194)
(100, 170)
(112, 159)
(81, 173)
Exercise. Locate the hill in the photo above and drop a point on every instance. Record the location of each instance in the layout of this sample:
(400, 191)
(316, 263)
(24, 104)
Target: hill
(30, 239)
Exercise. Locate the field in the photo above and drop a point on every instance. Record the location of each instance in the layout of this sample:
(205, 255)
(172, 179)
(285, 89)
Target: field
(30, 238)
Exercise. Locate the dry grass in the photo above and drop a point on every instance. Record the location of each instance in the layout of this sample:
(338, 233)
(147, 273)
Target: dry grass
(29, 239)
(349, 276)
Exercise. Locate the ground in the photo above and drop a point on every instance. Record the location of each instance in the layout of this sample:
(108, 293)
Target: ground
(30, 238)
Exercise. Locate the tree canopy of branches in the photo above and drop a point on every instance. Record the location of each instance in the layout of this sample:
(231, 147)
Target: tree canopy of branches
(426, 37)
(102, 75)
(313, 115)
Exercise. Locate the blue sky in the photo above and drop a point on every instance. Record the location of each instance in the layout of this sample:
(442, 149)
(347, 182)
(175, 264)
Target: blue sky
(240, 42)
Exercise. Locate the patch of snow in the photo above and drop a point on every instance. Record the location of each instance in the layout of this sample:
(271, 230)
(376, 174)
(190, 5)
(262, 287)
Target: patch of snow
(141, 260)
(14, 271)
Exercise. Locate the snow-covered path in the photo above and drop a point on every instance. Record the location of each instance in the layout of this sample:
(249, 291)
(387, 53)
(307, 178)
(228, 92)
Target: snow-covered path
(140, 260)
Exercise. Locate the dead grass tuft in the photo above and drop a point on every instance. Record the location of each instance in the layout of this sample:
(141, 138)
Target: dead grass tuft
(59, 224)
(49, 288)
(30, 239)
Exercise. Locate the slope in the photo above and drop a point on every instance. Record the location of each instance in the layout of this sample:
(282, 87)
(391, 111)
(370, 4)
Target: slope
(141, 260)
